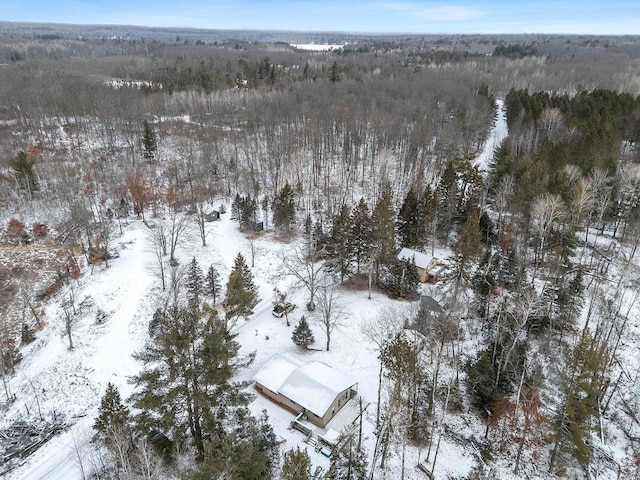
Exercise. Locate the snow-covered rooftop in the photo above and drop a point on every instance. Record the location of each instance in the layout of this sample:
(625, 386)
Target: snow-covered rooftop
(422, 260)
(313, 386)
(276, 371)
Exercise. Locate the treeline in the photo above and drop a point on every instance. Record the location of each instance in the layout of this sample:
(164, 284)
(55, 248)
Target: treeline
(543, 287)
(516, 50)
(585, 129)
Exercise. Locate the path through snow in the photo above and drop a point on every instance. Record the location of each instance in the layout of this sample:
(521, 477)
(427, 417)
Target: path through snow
(497, 133)
(72, 382)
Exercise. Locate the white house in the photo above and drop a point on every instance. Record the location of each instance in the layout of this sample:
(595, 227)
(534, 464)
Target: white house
(314, 389)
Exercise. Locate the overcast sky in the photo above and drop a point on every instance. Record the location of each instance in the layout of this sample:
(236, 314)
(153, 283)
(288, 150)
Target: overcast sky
(496, 16)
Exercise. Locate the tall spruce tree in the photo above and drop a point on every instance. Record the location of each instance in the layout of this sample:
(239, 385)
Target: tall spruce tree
(149, 141)
(428, 208)
(383, 224)
(241, 296)
(468, 247)
(194, 284)
(22, 167)
(240, 265)
(580, 393)
(448, 193)
(338, 247)
(348, 461)
(212, 285)
(383, 229)
(296, 465)
(399, 278)
(185, 388)
(113, 416)
(243, 210)
(246, 451)
(360, 234)
(283, 207)
(409, 221)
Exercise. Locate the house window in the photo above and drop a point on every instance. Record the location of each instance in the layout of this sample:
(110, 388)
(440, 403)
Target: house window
(343, 398)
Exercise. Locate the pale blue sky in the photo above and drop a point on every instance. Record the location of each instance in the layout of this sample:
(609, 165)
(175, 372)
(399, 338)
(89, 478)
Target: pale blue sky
(383, 16)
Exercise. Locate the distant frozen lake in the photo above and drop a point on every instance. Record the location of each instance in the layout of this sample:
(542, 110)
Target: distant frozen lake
(320, 47)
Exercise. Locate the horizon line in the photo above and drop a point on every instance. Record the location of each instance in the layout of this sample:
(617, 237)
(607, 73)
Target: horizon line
(341, 32)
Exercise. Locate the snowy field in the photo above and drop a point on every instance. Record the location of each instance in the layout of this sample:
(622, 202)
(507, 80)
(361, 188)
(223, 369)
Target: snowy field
(54, 380)
(316, 47)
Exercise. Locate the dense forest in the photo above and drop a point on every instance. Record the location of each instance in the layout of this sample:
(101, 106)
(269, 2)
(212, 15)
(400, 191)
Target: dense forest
(523, 352)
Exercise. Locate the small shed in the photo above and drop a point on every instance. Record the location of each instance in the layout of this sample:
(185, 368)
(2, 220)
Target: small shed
(257, 226)
(313, 389)
(212, 216)
(429, 268)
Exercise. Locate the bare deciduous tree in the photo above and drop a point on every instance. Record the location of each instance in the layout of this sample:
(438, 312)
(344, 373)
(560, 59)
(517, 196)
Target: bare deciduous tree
(545, 211)
(379, 330)
(330, 311)
(157, 239)
(308, 272)
(176, 227)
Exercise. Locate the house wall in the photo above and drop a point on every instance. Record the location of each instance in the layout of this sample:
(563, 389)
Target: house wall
(279, 399)
(422, 274)
(341, 399)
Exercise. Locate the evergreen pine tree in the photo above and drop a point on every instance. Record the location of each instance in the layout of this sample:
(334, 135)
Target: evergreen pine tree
(347, 461)
(22, 167)
(334, 72)
(241, 296)
(248, 451)
(194, 284)
(113, 416)
(243, 210)
(283, 207)
(155, 324)
(296, 465)
(400, 279)
(383, 229)
(236, 206)
(428, 209)
(212, 284)
(149, 141)
(247, 277)
(468, 247)
(185, 388)
(360, 233)
(339, 250)
(501, 164)
(581, 390)
(238, 301)
(447, 193)
(409, 222)
(248, 209)
(26, 335)
(302, 334)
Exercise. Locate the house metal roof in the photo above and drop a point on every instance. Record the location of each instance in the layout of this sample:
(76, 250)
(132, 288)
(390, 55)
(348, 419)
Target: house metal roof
(422, 260)
(314, 386)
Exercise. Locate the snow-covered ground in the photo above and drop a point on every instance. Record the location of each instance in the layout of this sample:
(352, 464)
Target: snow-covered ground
(497, 133)
(70, 383)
